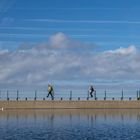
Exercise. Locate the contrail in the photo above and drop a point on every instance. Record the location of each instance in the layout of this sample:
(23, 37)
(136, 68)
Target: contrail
(76, 8)
(84, 21)
(41, 35)
(51, 29)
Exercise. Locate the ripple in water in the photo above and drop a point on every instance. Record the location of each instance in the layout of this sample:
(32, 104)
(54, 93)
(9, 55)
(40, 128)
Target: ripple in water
(70, 124)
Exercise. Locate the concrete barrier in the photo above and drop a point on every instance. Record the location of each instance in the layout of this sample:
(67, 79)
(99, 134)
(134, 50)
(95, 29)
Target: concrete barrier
(69, 105)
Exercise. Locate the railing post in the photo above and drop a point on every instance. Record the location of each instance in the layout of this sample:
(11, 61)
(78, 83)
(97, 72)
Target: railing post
(70, 95)
(95, 95)
(35, 95)
(105, 95)
(17, 95)
(137, 95)
(88, 95)
(7, 95)
(122, 95)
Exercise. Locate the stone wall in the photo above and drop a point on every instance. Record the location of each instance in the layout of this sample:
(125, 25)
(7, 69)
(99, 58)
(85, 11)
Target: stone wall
(69, 105)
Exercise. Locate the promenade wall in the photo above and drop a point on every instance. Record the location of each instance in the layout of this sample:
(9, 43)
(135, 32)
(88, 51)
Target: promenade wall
(69, 104)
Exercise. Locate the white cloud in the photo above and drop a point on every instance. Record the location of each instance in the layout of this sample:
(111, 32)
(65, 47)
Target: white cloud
(43, 62)
(59, 40)
(123, 51)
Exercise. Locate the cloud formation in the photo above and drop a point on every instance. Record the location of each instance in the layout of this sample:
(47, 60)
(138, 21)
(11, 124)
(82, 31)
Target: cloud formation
(55, 60)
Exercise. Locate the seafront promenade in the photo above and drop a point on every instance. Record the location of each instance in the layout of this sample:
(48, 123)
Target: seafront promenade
(133, 104)
(18, 99)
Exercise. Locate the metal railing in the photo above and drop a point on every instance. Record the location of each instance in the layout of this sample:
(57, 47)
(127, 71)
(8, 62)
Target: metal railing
(69, 95)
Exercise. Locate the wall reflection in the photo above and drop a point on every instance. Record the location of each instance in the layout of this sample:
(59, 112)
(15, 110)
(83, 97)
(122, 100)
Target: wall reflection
(67, 117)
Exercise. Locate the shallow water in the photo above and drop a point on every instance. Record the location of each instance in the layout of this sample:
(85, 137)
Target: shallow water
(70, 124)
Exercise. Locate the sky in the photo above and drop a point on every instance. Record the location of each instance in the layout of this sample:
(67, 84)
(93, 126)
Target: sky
(75, 41)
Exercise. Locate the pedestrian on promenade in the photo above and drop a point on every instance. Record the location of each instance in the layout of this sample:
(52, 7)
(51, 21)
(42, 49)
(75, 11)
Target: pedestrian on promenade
(91, 90)
(50, 91)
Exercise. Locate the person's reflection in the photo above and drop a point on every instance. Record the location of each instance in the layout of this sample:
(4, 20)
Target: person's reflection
(138, 117)
(91, 118)
(70, 118)
(79, 116)
(51, 119)
(7, 117)
(105, 117)
(122, 117)
(88, 117)
(35, 117)
(17, 118)
(7, 120)
(95, 117)
(26, 118)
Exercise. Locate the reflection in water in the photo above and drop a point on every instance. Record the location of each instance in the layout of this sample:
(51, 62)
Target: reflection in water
(70, 124)
(138, 117)
(50, 116)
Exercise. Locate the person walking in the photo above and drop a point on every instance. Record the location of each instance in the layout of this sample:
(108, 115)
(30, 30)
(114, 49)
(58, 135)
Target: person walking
(91, 90)
(50, 91)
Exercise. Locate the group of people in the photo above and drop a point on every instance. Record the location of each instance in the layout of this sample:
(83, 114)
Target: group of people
(51, 91)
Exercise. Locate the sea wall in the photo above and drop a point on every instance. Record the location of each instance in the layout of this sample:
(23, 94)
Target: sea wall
(69, 105)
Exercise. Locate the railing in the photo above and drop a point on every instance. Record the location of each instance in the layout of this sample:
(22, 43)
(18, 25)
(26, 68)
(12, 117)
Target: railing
(69, 95)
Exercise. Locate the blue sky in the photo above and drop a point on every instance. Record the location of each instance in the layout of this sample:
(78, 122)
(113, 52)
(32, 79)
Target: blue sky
(109, 24)
(75, 40)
